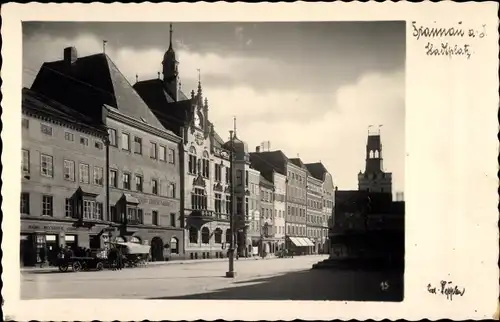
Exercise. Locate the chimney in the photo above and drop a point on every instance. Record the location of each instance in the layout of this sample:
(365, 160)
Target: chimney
(70, 56)
(257, 149)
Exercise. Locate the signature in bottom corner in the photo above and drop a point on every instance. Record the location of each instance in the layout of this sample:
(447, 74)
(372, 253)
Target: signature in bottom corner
(447, 289)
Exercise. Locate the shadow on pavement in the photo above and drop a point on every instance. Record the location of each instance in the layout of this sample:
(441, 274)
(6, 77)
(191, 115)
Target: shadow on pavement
(333, 285)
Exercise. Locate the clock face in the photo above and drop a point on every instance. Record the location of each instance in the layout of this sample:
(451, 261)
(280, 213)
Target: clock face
(197, 119)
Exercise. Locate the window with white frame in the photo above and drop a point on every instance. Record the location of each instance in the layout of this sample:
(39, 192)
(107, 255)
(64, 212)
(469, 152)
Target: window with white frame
(25, 123)
(126, 181)
(153, 152)
(46, 165)
(98, 176)
(171, 156)
(47, 205)
(68, 136)
(46, 129)
(112, 137)
(138, 182)
(25, 162)
(84, 173)
(84, 141)
(137, 145)
(163, 153)
(171, 190)
(113, 178)
(126, 141)
(69, 170)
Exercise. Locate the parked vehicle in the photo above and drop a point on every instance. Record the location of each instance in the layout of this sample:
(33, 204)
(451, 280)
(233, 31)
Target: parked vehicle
(80, 263)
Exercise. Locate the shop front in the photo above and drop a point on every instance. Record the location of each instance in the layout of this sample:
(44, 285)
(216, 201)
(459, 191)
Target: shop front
(41, 240)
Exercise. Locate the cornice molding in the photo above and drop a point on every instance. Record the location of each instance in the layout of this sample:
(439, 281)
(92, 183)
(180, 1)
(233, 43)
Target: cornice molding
(127, 120)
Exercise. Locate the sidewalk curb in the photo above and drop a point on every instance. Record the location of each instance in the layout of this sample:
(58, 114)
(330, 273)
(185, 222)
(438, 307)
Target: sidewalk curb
(166, 263)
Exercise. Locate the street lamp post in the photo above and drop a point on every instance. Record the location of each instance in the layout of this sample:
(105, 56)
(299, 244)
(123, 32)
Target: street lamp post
(231, 272)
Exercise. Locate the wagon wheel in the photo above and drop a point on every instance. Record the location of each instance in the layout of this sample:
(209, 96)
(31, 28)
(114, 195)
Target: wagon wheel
(99, 266)
(63, 267)
(77, 266)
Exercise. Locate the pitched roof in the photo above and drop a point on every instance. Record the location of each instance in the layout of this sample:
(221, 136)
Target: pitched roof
(265, 182)
(88, 84)
(268, 161)
(298, 162)
(40, 105)
(317, 170)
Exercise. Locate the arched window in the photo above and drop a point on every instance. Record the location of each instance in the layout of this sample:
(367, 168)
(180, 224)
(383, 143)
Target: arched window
(228, 236)
(192, 160)
(174, 245)
(205, 236)
(371, 154)
(218, 236)
(205, 167)
(376, 155)
(193, 235)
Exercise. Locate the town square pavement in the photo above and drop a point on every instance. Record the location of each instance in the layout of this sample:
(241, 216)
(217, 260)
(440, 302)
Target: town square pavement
(262, 279)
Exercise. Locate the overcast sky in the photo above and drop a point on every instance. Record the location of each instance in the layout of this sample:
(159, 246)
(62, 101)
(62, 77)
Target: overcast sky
(312, 89)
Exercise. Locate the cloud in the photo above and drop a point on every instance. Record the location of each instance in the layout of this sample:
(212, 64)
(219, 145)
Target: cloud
(329, 126)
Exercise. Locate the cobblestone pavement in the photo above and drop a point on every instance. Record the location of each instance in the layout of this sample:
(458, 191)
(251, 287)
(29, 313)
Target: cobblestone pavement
(268, 279)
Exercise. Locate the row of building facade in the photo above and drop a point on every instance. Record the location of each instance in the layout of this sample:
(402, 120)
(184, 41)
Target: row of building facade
(143, 163)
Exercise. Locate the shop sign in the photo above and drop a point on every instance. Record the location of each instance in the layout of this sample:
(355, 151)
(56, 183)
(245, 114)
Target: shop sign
(155, 202)
(46, 227)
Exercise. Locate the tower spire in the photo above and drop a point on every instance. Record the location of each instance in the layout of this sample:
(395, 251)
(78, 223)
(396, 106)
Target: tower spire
(234, 125)
(171, 32)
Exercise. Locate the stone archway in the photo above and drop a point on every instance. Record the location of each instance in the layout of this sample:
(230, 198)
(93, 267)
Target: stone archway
(157, 249)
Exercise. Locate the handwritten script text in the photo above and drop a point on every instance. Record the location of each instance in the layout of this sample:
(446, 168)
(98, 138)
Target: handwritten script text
(447, 289)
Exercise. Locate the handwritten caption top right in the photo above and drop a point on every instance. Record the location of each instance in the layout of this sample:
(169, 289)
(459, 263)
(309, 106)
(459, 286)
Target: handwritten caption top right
(448, 41)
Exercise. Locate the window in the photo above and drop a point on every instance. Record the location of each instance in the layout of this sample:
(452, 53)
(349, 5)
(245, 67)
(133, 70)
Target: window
(155, 219)
(246, 208)
(98, 145)
(47, 209)
(218, 236)
(205, 165)
(192, 161)
(112, 137)
(228, 204)
(137, 145)
(154, 186)
(84, 173)
(205, 236)
(68, 136)
(46, 166)
(113, 175)
(140, 216)
(246, 178)
(126, 181)
(69, 207)
(228, 175)
(46, 129)
(153, 153)
(218, 172)
(69, 170)
(114, 214)
(198, 199)
(172, 220)
(163, 153)
(193, 235)
(125, 141)
(239, 205)
(174, 245)
(218, 203)
(239, 177)
(25, 162)
(25, 123)
(88, 209)
(171, 190)
(25, 203)
(132, 215)
(98, 176)
(228, 236)
(84, 141)
(138, 183)
(171, 156)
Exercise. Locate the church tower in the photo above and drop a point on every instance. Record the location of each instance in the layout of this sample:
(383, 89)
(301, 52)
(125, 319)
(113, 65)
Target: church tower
(374, 179)
(170, 70)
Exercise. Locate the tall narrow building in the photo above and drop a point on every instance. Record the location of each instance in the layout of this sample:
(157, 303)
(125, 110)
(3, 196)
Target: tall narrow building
(374, 179)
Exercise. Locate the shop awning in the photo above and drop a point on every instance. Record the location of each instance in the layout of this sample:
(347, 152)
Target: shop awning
(130, 199)
(308, 242)
(303, 242)
(295, 241)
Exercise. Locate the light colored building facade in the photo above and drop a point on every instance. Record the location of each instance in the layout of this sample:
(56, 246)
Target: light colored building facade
(254, 211)
(143, 156)
(374, 178)
(314, 213)
(279, 181)
(62, 156)
(266, 222)
(296, 217)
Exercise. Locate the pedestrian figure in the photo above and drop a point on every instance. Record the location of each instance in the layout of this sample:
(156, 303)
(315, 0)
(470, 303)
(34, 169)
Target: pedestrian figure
(112, 258)
(120, 258)
(42, 256)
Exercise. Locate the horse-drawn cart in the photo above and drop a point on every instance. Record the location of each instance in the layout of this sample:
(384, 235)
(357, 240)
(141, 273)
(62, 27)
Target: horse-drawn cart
(80, 263)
